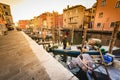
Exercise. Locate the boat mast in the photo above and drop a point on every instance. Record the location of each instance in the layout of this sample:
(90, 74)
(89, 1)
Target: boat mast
(72, 32)
(113, 38)
(84, 36)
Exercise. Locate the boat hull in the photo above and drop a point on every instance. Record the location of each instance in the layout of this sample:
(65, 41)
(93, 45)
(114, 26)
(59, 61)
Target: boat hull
(75, 53)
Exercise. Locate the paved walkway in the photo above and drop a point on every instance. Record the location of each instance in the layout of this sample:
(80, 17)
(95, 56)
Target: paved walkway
(20, 60)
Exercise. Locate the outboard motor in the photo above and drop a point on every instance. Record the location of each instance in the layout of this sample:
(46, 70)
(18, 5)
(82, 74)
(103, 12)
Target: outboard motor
(108, 58)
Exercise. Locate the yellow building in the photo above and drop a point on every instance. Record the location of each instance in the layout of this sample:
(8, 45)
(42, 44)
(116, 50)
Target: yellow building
(73, 17)
(36, 24)
(89, 16)
(93, 12)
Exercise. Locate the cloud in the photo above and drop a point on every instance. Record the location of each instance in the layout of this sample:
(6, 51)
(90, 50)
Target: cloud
(11, 2)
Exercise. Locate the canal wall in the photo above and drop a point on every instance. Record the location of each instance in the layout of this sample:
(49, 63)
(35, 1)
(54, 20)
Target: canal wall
(53, 68)
(105, 36)
(21, 58)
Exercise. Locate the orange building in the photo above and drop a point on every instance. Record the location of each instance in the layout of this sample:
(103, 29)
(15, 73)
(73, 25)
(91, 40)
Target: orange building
(107, 13)
(60, 20)
(23, 24)
(48, 22)
(57, 20)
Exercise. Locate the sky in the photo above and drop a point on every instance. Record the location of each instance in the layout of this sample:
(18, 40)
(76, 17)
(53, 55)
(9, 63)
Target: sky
(27, 9)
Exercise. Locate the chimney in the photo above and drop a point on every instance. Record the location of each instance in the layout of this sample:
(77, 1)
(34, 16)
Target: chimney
(67, 6)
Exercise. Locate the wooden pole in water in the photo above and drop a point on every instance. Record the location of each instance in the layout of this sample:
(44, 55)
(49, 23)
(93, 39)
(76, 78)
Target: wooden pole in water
(72, 34)
(113, 38)
(84, 37)
(53, 34)
(104, 64)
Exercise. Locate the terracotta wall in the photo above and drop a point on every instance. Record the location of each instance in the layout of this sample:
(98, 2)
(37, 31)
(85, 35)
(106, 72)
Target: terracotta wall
(110, 14)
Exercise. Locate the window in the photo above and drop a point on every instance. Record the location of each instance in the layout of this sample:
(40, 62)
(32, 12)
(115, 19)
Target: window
(107, 42)
(112, 24)
(101, 14)
(118, 35)
(117, 4)
(70, 19)
(65, 20)
(4, 7)
(103, 2)
(92, 17)
(98, 24)
(93, 11)
(8, 21)
(6, 13)
(90, 24)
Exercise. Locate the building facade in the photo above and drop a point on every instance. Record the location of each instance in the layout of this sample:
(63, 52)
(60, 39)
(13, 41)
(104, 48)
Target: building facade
(73, 17)
(107, 13)
(23, 24)
(60, 20)
(6, 14)
(89, 16)
(6, 21)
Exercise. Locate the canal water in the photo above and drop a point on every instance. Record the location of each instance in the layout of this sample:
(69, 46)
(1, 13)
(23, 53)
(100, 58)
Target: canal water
(78, 39)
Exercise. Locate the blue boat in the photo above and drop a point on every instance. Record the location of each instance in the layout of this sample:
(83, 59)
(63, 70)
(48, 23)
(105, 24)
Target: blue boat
(74, 51)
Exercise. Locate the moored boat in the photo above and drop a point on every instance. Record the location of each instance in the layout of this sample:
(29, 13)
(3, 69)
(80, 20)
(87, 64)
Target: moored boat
(74, 51)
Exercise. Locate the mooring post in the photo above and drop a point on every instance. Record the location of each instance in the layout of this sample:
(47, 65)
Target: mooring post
(84, 37)
(114, 35)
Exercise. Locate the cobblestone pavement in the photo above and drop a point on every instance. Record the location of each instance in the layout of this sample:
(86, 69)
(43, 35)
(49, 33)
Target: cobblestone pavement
(17, 61)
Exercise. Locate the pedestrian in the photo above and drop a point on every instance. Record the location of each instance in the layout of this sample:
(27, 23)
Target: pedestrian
(64, 42)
